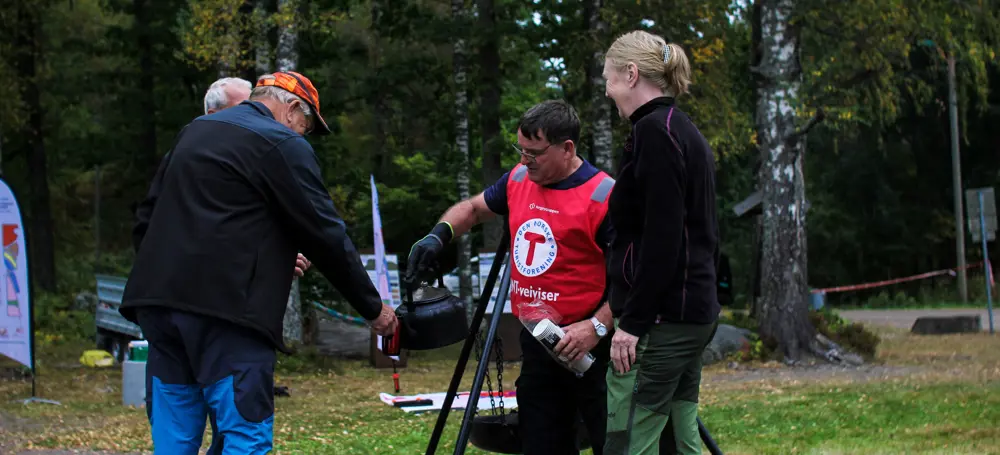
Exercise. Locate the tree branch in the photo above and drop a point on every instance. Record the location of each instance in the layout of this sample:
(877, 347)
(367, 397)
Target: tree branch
(820, 115)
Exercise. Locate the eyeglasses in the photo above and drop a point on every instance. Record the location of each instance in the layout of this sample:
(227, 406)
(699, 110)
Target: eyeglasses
(533, 155)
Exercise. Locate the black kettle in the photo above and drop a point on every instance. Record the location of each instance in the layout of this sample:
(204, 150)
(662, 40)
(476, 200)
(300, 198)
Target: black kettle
(430, 318)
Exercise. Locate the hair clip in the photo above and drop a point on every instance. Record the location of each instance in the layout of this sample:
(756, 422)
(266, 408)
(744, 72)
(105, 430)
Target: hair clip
(666, 53)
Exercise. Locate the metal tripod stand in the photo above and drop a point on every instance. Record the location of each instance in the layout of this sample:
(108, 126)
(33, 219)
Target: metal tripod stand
(477, 382)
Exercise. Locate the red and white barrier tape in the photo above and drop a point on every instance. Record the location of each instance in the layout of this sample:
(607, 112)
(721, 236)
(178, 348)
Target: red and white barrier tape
(952, 271)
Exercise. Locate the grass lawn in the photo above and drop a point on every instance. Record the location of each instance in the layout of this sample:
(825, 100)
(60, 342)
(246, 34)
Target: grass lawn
(923, 395)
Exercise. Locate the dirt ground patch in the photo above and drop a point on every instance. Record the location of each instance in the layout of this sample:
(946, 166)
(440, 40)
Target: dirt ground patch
(738, 375)
(66, 452)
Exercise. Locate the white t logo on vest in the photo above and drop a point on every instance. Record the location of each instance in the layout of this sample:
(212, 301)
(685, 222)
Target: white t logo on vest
(534, 247)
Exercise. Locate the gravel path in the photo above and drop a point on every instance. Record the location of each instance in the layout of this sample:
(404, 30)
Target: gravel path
(903, 319)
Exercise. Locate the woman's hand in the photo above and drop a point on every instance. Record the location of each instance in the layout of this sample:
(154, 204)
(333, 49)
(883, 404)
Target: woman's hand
(623, 350)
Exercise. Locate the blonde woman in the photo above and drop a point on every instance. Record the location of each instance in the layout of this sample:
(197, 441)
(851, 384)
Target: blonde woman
(661, 269)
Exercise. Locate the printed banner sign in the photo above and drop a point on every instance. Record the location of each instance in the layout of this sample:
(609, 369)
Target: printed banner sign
(485, 263)
(392, 261)
(15, 339)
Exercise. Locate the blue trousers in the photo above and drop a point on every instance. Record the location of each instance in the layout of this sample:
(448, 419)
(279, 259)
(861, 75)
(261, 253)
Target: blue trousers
(201, 367)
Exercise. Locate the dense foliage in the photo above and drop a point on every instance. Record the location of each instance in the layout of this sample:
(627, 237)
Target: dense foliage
(95, 91)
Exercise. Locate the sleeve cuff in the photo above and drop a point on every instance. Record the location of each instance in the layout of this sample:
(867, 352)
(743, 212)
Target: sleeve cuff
(377, 311)
(633, 327)
(444, 231)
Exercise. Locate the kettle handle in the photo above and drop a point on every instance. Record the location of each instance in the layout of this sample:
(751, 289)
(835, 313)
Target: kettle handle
(408, 301)
(406, 325)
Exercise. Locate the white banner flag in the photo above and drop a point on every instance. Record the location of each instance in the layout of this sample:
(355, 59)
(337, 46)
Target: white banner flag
(15, 316)
(381, 265)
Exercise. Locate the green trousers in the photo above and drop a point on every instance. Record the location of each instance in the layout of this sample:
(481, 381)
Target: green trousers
(662, 384)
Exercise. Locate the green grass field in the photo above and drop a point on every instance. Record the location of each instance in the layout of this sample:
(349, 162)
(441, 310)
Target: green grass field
(924, 395)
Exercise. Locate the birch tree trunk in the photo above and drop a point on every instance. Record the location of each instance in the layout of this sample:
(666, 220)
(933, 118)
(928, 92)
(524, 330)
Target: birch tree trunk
(262, 43)
(784, 290)
(462, 145)
(287, 58)
(600, 108)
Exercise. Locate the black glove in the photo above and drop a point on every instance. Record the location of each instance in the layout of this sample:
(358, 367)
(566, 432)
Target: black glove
(422, 261)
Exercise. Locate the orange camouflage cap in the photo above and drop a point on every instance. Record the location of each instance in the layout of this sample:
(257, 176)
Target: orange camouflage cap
(303, 87)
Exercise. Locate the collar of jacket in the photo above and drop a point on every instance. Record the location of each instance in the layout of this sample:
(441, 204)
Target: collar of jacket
(650, 106)
(260, 108)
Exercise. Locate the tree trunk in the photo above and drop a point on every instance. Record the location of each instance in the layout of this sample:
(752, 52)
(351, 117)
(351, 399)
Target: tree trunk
(229, 45)
(287, 59)
(755, 242)
(489, 109)
(291, 325)
(462, 145)
(600, 121)
(146, 158)
(262, 42)
(377, 91)
(247, 39)
(41, 243)
(784, 290)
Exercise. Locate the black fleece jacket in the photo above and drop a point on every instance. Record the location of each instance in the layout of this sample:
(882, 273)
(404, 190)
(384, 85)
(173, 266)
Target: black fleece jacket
(662, 262)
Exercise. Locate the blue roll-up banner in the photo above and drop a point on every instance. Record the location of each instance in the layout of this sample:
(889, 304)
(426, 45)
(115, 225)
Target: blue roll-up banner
(15, 306)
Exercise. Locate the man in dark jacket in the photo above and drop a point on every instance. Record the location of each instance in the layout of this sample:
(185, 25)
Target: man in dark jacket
(233, 202)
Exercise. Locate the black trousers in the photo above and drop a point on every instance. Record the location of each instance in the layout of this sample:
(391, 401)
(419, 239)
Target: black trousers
(552, 401)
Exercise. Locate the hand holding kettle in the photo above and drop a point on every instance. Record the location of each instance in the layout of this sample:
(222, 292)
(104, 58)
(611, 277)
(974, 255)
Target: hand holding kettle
(422, 261)
(385, 323)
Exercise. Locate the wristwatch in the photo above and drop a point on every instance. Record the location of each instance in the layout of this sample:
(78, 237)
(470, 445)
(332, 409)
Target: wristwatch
(600, 328)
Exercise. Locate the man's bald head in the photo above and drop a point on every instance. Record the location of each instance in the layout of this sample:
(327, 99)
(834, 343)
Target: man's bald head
(225, 93)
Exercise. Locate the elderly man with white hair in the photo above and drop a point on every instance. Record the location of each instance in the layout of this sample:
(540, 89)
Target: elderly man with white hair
(226, 92)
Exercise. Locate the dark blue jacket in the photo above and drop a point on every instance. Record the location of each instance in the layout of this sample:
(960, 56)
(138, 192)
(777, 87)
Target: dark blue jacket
(232, 203)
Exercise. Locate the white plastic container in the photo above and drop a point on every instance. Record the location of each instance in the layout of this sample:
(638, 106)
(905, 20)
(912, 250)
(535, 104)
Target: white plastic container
(134, 383)
(549, 335)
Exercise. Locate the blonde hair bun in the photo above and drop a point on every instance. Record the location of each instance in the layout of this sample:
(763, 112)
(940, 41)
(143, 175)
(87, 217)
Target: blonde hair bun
(662, 63)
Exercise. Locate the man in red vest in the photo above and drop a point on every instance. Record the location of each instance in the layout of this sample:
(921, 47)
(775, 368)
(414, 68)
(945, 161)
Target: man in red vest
(556, 204)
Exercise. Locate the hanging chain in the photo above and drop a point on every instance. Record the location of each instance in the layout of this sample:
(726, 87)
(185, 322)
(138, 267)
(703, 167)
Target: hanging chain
(499, 341)
(480, 344)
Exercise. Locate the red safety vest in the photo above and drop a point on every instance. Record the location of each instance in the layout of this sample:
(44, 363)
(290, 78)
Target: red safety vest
(553, 252)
